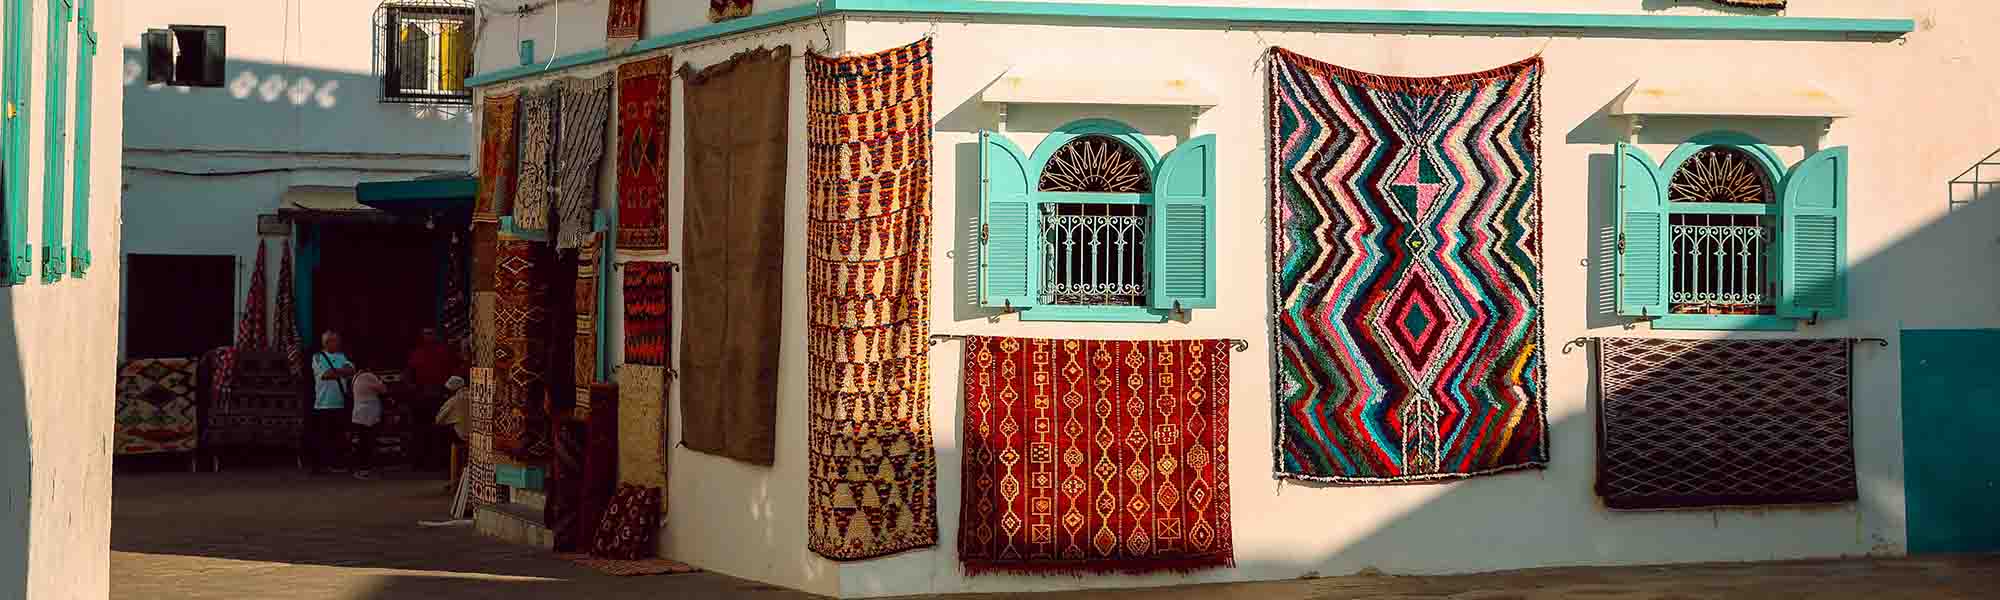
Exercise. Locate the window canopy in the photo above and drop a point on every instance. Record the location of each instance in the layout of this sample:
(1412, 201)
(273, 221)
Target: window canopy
(1018, 88)
(1727, 97)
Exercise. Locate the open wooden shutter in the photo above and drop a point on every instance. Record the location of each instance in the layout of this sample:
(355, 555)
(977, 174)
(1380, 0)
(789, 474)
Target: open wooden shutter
(1006, 224)
(1812, 237)
(1642, 234)
(159, 45)
(86, 53)
(1183, 237)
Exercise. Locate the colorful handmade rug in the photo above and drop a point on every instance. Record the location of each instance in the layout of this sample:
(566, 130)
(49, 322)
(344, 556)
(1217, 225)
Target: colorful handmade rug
(586, 111)
(497, 157)
(649, 312)
(873, 473)
(630, 568)
(536, 190)
(585, 355)
(480, 456)
(631, 524)
(1407, 246)
(1087, 456)
(723, 10)
(520, 355)
(626, 20)
(642, 435)
(156, 406)
(251, 331)
(645, 113)
(287, 329)
(735, 202)
(1705, 423)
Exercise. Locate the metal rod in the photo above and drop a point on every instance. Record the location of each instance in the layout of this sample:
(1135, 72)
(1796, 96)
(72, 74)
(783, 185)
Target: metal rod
(1587, 340)
(1237, 344)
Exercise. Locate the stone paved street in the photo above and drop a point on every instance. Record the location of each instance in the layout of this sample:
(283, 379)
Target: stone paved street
(274, 534)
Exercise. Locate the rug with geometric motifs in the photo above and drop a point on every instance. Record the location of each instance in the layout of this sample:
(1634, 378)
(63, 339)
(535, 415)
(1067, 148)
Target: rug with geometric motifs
(1089, 456)
(1707, 423)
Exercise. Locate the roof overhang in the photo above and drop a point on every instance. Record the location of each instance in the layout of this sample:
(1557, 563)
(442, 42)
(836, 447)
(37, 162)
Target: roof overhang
(1727, 98)
(1016, 88)
(418, 195)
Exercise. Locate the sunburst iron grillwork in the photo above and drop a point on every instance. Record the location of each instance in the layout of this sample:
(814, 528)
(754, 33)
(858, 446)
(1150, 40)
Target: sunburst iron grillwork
(1720, 175)
(1095, 163)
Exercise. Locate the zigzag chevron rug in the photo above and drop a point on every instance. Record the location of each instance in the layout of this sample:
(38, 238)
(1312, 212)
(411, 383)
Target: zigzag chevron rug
(1407, 247)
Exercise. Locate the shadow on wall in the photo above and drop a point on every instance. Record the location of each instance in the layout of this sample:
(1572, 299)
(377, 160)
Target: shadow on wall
(16, 465)
(285, 107)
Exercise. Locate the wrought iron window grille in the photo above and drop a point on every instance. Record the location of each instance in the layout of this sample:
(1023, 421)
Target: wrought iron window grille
(424, 51)
(1094, 254)
(1722, 263)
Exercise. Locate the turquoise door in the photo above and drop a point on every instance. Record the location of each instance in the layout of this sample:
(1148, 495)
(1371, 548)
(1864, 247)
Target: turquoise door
(1951, 415)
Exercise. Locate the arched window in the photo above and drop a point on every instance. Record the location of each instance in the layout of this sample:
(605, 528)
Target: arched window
(1097, 226)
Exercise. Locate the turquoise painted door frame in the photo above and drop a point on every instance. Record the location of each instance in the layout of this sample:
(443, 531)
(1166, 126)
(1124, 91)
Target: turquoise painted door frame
(1951, 413)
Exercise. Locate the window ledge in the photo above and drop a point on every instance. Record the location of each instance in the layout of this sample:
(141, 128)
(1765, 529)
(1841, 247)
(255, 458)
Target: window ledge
(1726, 322)
(1094, 314)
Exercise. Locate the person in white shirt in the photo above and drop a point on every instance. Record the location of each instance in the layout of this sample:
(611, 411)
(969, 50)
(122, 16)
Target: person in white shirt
(327, 423)
(368, 392)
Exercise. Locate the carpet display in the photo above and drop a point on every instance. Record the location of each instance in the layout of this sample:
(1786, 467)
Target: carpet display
(631, 524)
(649, 312)
(585, 355)
(626, 20)
(873, 473)
(586, 112)
(251, 332)
(642, 434)
(645, 114)
(479, 444)
(483, 319)
(485, 243)
(1406, 248)
(1088, 456)
(736, 146)
(600, 459)
(1706, 423)
(156, 406)
(286, 331)
(520, 354)
(497, 157)
(536, 188)
(261, 405)
(723, 10)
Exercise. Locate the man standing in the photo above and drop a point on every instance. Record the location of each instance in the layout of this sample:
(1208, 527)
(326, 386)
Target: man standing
(430, 365)
(328, 422)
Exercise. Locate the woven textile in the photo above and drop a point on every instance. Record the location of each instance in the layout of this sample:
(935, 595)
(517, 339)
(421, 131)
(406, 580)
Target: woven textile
(481, 458)
(287, 329)
(586, 111)
(485, 243)
(520, 353)
(626, 20)
(585, 356)
(156, 406)
(645, 97)
(629, 568)
(535, 192)
(1085, 456)
(1407, 251)
(497, 157)
(563, 513)
(649, 312)
(873, 473)
(251, 332)
(735, 205)
(483, 323)
(642, 433)
(1699, 423)
(723, 10)
(600, 458)
(631, 524)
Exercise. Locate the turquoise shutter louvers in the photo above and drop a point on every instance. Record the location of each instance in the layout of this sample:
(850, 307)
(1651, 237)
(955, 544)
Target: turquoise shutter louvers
(1183, 244)
(1642, 234)
(19, 255)
(1812, 239)
(86, 52)
(1007, 230)
(55, 257)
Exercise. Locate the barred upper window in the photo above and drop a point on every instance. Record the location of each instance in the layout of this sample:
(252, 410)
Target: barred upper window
(424, 51)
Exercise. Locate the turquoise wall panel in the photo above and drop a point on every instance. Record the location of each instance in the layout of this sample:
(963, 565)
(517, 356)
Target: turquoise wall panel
(1951, 414)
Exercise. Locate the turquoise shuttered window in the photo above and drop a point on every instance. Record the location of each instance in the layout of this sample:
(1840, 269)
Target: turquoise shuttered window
(1642, 235)
(86, 52)
(1095, 226)
(1813, 239)
(55, 147)
(20, 29)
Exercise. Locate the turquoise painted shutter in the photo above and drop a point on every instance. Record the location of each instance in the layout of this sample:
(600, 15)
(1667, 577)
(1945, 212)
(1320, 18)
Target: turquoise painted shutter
(1183, 237)
(55, 146)
(1642, 234)
(1006, 224)
(86, 51)
(20, 253)
(1812, 237)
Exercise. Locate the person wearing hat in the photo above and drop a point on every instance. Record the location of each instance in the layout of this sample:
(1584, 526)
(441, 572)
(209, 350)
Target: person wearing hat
(455, 413)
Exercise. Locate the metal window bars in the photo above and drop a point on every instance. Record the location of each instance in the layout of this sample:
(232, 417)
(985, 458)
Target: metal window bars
(1094, 254)
(1721, 264)
(424, 51)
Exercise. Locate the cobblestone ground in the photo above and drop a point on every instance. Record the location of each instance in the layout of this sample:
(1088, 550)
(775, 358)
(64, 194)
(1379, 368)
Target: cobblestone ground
(273, 534)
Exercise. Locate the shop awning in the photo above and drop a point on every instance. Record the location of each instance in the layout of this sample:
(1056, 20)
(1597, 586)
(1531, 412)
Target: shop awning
(422, 195)
(323, 203)
(1727, 97)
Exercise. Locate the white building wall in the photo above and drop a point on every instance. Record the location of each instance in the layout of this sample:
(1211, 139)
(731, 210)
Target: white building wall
(58, 350)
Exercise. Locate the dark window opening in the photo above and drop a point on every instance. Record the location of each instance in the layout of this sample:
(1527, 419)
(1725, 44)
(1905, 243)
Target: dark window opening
(178, 305)
(186, 55)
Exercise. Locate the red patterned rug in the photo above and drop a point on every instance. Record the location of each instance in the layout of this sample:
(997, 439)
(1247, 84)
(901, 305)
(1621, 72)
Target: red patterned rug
(1087, 456)
(520, 356)
(645, 101)
(649, 312)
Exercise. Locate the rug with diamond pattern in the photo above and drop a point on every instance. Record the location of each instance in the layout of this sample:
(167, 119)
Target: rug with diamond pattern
(1087, 456)
(1703, 423)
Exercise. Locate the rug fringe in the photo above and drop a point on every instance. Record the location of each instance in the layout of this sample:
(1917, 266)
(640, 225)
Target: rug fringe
(1408, 85)
(1071, 568)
